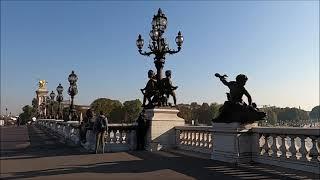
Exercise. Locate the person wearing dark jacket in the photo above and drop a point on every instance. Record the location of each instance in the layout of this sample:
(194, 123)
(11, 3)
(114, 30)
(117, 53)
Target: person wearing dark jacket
(100, 128)
(141, 131)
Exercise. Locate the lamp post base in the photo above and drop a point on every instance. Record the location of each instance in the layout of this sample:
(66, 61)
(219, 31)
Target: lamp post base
(161, 123)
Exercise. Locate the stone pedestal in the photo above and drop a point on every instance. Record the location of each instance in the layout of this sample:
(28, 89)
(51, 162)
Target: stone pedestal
(233, 142)
(161, 134)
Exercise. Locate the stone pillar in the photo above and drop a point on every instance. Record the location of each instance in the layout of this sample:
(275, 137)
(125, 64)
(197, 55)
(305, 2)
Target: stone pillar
(161, 133)
(233, 142)
(41, 93)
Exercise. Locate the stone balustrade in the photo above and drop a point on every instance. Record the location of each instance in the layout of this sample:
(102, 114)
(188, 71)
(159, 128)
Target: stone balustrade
(297, 148)
(67, 131)
(120, 137)
(194, 138)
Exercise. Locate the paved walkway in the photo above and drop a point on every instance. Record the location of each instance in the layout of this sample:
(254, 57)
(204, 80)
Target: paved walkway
(29, 153)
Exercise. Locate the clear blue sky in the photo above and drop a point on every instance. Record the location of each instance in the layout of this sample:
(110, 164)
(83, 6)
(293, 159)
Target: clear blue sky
(276, 44)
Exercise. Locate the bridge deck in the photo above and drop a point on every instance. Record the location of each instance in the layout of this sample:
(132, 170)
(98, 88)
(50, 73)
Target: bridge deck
(27, 152)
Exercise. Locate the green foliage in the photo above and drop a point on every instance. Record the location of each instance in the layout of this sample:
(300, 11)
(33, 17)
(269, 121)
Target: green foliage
(117, 115)
(214, 110)
(185, 112)
(105, 105)
(116, 112)
(132, 109)
(27, 114)
(204, 115)
(315, 113)
(276, 115)
(200, 114)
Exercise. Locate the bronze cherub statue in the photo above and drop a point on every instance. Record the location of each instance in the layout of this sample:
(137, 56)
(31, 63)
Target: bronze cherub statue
(235, 110)
(150, 89)
(168, 88)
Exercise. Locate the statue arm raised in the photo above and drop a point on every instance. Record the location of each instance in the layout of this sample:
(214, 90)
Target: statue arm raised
(222, 79)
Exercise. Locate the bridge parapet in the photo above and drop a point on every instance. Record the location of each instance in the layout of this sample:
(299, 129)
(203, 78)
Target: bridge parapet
(291, 147)
(120, 137)
(295, 148)
(194, 138)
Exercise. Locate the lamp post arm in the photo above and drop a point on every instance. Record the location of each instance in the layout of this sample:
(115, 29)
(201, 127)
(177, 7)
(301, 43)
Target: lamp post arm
(172, 51)
(146, 53)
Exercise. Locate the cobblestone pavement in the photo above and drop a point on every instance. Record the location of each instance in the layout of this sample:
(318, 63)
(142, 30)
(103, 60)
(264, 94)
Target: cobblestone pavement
(29, 153)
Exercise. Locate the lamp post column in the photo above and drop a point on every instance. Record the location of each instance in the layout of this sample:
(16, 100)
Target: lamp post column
(72, 91)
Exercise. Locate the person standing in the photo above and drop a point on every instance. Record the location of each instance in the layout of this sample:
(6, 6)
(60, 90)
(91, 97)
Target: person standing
(100, 128)
(141, 131)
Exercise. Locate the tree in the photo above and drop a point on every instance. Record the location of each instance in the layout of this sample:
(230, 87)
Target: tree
(185, 112)
(204, 114)
(132, 109)
(271, 115)
(195, 112)
(315, 113)
(27, 114)
(116, 115)
(105, 105)
(214, 110)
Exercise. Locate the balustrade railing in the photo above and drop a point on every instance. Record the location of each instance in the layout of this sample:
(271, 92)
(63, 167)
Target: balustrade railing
(297, 148)
(194, 138)
(120, 137)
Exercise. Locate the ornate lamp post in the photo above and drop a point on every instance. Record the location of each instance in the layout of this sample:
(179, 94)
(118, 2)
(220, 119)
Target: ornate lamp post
(59, 99)
(52, 95)
(46, 109)
(6, 113)
(159, 47)
(72, 91)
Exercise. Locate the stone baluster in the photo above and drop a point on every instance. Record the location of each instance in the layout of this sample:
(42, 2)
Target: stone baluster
(201, 139)
(189, 138)
(124, 137)
(282, 148)
(308, 147)
(210, 140)
(117, 136)
(278, 144)
(293, 149)
(197, 139)
(311, 149)
(274, 145)
(269, 144)
(298, 147)
(262, 144)
(303, 150)
(185, 137)
(193, 138)
(112, 137)
(286, 144)
(205, 139)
